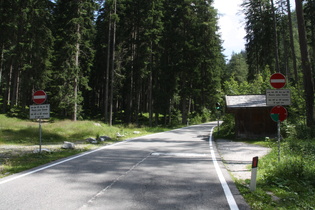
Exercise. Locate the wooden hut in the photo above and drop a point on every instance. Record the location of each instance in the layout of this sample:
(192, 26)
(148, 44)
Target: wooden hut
(252, 116)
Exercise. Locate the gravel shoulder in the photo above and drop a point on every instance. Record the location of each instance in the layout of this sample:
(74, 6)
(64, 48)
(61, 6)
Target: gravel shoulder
(237, 156)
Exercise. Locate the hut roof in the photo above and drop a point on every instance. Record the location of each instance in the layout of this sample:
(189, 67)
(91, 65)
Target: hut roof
(245, 101)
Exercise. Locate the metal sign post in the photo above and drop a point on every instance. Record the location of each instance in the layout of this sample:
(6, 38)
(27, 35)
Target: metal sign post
(278, 97)
(278, 114)
(40, 111)
(40, 135)
(279, 139)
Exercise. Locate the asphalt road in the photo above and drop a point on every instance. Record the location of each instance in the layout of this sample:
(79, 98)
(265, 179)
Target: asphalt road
(179, 169)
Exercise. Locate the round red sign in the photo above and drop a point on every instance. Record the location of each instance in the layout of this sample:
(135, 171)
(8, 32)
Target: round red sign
(278, 113)
(39, 97)
(277, 80)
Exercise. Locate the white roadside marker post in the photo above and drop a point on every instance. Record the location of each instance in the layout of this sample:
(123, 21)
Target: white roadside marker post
(254, 174)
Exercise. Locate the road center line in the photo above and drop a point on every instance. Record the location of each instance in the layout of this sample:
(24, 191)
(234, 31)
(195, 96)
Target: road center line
(229, 196)
(113, 182)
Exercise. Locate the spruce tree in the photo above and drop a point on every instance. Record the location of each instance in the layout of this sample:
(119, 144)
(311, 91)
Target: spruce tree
(73, 53)
(25, 44)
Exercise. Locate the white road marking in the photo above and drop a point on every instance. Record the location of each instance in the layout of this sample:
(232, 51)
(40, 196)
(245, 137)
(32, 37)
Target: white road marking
(229, 196)
(179, 154)
(39, 97)
(100, 193)
(277, 80)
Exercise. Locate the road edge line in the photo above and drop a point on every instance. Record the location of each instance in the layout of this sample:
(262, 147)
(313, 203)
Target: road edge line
(228, 194)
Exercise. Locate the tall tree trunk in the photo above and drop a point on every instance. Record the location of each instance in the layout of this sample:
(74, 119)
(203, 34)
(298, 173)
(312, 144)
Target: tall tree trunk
(107, 68)
(113, 69)
(1, 64)
(292, 42)
(150, 88)
(184, 110)
(307, 72)
(77, 54)
(9, 85)
(275, 36)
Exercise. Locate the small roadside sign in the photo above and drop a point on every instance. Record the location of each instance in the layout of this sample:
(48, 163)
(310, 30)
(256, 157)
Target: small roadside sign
(278, 113)
(277, 80)
(278, 97)
(39, 97)
(40, 111)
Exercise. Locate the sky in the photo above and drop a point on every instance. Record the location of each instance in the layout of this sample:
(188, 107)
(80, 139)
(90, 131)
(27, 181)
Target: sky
(231, 23)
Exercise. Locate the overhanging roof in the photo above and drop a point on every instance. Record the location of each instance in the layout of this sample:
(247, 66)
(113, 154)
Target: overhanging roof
(246, 101)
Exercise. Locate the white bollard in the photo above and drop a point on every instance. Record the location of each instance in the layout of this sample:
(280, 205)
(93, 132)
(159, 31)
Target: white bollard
(254, 174)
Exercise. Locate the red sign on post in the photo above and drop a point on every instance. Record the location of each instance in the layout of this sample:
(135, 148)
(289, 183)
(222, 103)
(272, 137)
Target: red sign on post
(39, 97)
(278, 113)
(277, 80)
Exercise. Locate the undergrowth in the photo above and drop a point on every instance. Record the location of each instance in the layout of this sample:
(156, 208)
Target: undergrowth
(285, 184)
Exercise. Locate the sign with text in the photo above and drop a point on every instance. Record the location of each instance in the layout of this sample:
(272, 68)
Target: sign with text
(40, 111)
(278, 97)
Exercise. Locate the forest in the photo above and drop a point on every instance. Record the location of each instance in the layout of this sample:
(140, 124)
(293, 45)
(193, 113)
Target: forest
(122, 61)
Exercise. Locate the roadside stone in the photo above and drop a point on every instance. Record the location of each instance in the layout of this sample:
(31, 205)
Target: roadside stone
(91, 140)
(43, 151)
(273, 197)
(68, 145)
(104, 138)
(118, 135)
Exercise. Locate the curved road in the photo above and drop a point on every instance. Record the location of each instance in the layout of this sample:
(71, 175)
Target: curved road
(178, 169)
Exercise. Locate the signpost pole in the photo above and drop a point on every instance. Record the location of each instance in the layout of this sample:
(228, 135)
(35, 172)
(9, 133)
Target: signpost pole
(40, 135)
(39, 111)
(279, 137)
(219, 123)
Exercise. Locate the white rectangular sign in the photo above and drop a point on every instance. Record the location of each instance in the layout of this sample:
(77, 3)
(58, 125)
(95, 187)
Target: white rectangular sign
(40, 111)
(278, 97)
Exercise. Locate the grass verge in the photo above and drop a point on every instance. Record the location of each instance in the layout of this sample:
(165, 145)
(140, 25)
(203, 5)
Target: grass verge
(285, 184)
(18, 138)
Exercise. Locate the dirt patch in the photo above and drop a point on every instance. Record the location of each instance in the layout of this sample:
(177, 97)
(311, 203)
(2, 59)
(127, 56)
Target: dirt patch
(238, 156)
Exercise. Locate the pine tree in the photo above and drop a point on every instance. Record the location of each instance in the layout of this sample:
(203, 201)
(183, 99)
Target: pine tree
(308, 79)
(26, 41)
(237, 67)
(260, 46)
(73, 53)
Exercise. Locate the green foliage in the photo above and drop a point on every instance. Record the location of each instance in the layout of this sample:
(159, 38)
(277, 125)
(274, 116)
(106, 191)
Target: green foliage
(198, 118)
(237, 67)
(14, 131)
(257, 86)
(73, 54)
(227, 128)
(288, 184)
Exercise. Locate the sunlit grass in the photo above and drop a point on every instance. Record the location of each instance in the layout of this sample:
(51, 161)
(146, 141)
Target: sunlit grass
(285, 184)
(14, 131)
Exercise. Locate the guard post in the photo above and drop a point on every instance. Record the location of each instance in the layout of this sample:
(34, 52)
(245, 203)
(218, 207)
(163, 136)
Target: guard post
(254, 174)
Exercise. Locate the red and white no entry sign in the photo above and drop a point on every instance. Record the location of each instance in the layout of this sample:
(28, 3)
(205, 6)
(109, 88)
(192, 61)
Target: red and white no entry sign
(277, 80)
(39, 97)
(278, 113)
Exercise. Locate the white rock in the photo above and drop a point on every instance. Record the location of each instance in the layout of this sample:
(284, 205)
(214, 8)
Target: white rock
(104, 138)
(68, 145)
(42, 150)
(119, 135)
(91, 140)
